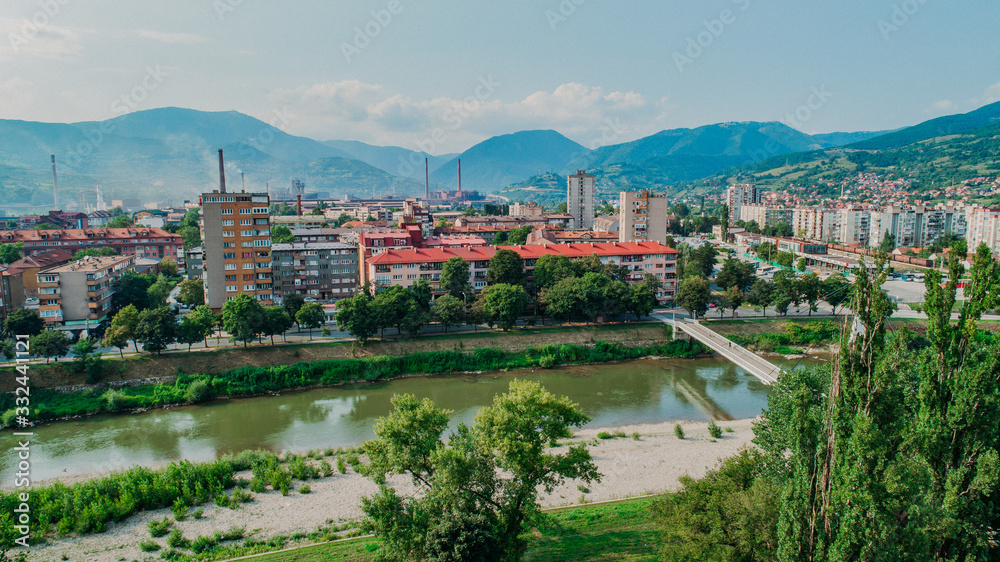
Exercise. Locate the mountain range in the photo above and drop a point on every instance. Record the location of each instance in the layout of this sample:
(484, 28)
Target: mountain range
(169, 153)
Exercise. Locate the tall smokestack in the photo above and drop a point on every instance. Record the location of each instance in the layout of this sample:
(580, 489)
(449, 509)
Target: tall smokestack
(427, 181)
(222, 174)
(460, 176)
(298, 204)
(243, 183)
(55, 185)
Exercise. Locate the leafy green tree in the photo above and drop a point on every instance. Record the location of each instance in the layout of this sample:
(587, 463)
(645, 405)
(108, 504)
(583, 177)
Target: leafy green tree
(761, 295)
(87, 361)
(276, 321)
(191, 236)
(49, 344)
(785, 259)
(132, 289)
(505, 303)
(243, 318)
(564, 300)
(641, 300)
(801, 264)
(23, 322)
(810, 287)
(192, 292)
(493, 470)
(158, 292)
(506, 267)
(415, 318)
(455, 278)
(310, 316)
(734, 298)
(157, 329)
(191, 218)
(519, 235)
(281, 234)
(10, 253)
(694, 294)
(462, 537)
(193, 329)
(766, 251)
(422, 293)
(500, 238)
(124, 326)
(116, 336)
(95, 252)
(888, 243)
(357, 316)
(168, 267)
(736, 273)
(835, 290)
(704, 259)
(448, 310)
(550, 269)
(121, 221)
(391, 307)
(616, 298)
(292, 303)
(207, 319)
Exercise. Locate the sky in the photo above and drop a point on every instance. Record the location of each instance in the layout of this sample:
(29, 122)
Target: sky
(442, 75)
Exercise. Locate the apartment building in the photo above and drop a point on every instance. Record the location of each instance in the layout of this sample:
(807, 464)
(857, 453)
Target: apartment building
(236, 241)
(29, 266)
(642, 217)
(853, 226)
(80, 290)
(322, 270)
(815, 223)
(984, 228)
(417, 212)
(765, 215)
(580, 199)
(404, 267)
(11, 291)
(140, 242)
(737, 196)
(918, 226)
(607, 223)
(194, 263)
(519, 209)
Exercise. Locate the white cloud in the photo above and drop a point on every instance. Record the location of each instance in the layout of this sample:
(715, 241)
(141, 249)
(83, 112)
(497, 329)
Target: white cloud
(53, 42)
(352, 109)
(173, 38)
(941, 107)
(992, 94)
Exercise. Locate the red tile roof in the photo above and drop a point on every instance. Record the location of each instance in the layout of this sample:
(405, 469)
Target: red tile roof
(527, 252)
(43, 259)
(86, 234)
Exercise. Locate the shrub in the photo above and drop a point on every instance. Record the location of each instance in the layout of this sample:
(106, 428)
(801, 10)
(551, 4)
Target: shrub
(341, 465)
(198, 513)
(636, 436)
(241, 496)
(198, 391)
(177, 540)
(232, 534)
(714, 430)
(149, 545)
(180, 509)
(679, 431)
(304, 489)
(201, 544)
(462, 536)
(325, 469)
(547, 362)
(115, 400)
(158, 528)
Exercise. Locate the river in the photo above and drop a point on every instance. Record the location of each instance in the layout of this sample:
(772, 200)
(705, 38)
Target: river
(617, 394)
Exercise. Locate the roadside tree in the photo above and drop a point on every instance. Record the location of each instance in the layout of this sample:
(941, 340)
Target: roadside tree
(505, 303)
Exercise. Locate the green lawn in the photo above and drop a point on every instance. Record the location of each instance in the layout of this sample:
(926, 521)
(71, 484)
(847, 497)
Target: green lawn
(611, 531)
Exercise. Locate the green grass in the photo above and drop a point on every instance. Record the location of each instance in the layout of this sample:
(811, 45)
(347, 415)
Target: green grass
(611, 531)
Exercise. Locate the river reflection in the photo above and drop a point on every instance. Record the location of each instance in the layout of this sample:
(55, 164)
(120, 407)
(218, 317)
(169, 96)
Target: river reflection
(612, 395)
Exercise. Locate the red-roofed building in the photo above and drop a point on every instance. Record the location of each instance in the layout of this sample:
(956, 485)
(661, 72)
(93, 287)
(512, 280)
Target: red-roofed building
(29, 266)
(139, 242)
(405, 266)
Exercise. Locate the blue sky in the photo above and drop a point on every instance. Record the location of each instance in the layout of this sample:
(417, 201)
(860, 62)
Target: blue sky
(393, 71)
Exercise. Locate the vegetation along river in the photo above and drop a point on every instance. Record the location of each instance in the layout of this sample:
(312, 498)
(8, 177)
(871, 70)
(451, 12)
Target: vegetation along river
(617, 394)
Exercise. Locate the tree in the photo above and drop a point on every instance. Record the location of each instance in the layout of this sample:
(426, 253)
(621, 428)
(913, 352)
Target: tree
(506, 267)
(192, 292)
(276, 321)
(122, 329)
(785, 259)
(455, 278)
(616, 298)
(564, 300)
(704, 259)
(95, 252)
(192, 330)
(86, 360)
(519, 235)
(641, 299)
(760, 295)
(766, 251)
(550, 269)
(787, 290)
(504, 304)
(694, 294)
(132, 288)
(10, 253)
(156, 329)
(23, 322)
(801, 264)
(158, 292)
(391, 307)
(310, 316)
(121, 221)
(242, 318)
(207, 319)
(422, 293)
(281, 234)
(191, 218)
(888, 243)
(448, 310)
(292, 303)
(191, 236)
(492, 471)
(810, 287)
(836, 290)
(49, 344)
(356, 315)
(736, 273)
(168, 267)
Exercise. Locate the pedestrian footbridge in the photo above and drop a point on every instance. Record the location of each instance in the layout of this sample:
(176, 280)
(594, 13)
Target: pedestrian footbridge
(764, 370)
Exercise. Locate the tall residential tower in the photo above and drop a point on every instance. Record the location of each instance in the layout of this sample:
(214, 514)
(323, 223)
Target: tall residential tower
(236, 238)
(580, 199)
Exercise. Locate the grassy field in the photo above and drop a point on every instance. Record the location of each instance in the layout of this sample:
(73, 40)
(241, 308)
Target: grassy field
(610, 531)
(201, 361)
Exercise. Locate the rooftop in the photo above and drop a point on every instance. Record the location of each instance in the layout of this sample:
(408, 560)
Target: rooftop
(89, 264)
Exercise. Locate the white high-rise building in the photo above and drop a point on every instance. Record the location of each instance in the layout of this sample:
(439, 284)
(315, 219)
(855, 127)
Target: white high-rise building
(853, 226)
(984, 228)
(737, 196)
(580, 199)
(815, 223)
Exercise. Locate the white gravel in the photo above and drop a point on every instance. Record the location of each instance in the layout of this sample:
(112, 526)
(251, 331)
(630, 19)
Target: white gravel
(630, 467)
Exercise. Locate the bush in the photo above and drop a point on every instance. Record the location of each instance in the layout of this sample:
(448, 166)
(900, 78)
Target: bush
(304, 489)
(198, 513)
(198, 391)
(341, 465)
(149, 545)
(115, 400)
(201, 544)
(462, 536)
(158, 528)
(547, 362)
(180, 509)
(177, 540)
(714, 430)
(679, 431)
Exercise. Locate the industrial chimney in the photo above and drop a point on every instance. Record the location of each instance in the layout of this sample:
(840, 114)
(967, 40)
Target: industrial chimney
(298, 204)
(222, 174)
(427, 181)
(459, 176)
(55, 185)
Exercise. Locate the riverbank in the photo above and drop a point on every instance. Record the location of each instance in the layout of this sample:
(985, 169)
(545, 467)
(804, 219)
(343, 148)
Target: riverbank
(256, 381)
(653, 463)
